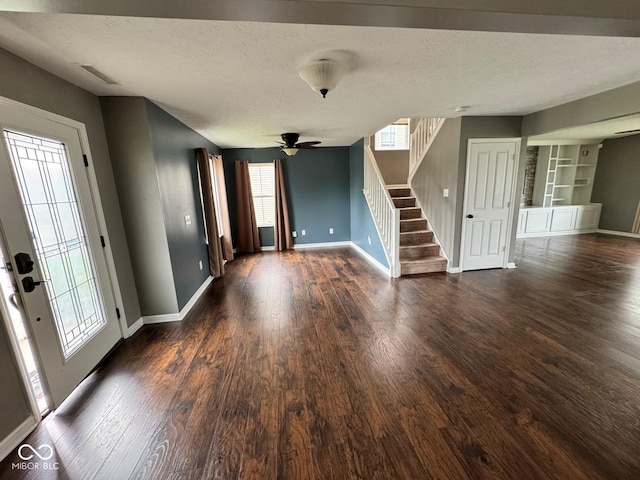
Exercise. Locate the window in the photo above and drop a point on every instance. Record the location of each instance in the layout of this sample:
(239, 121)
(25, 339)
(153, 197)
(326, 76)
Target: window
(393, 137)
(263, 189)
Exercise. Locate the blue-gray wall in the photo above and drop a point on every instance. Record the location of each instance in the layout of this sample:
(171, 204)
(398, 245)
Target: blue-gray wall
(362, 225)
(173, 145)
(317, 183)
(617, 183)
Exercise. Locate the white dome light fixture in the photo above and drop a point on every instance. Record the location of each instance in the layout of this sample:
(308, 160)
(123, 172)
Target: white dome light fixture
(290, 151)
(323, 75)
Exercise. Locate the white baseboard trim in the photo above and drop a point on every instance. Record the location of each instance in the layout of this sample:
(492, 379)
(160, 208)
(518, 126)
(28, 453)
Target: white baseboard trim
(511, 265)
(557, 234)
(194, 298)
(454, 270)
(178, 317)
(619, 234)
(371, 260)
(135, 327)
(13, 440)
(303, 246)
(168, 317)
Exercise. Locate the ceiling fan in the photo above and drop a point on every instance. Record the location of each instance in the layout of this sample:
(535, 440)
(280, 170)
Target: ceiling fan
(291, 145)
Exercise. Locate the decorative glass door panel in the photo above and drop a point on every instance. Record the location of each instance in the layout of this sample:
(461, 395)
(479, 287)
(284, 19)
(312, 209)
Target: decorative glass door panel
(49, 199)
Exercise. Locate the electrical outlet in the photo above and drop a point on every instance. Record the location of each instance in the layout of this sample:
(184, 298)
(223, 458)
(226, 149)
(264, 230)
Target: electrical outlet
(369, 240)
(294, 234)
(200, 264)
(331, 231)
(187, 220)
(304, 232)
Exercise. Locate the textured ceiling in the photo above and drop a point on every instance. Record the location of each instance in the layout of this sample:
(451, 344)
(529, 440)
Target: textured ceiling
(237, 84)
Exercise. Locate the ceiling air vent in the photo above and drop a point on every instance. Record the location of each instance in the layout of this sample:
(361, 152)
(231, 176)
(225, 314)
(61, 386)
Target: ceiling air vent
(98, 74)
(626, 132)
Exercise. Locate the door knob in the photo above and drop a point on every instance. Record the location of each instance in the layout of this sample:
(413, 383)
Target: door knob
(29, 284)
(469, 216)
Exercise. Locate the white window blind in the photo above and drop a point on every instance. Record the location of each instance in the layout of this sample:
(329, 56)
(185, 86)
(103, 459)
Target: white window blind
(392, 137)
(263, 189)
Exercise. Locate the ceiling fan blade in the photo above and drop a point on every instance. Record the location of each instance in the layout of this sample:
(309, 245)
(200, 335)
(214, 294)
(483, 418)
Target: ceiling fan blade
(306, 144)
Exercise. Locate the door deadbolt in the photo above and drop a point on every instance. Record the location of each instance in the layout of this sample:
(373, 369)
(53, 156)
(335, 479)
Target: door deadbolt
(23, 263)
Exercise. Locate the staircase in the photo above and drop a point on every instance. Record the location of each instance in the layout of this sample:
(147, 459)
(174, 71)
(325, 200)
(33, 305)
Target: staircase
(418, 252)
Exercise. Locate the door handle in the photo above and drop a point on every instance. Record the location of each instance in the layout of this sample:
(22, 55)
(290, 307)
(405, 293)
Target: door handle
(14, 299)
(469, 216)
(29, 284)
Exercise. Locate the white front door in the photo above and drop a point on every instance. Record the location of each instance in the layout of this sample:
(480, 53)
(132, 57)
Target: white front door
(48, 219)
(488, 203)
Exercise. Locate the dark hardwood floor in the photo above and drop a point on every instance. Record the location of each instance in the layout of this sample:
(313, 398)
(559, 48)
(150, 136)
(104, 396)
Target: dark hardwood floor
(311, 365)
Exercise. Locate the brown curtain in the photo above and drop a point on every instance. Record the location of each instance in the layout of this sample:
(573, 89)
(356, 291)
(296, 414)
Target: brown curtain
(282, 231)
(227, 242)
(216, 262)
(248, 235)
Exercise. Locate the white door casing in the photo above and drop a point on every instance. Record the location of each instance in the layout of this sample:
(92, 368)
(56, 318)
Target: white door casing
(63, 372)
(488, 203)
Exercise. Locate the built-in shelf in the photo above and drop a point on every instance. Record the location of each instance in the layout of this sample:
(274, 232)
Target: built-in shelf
(564, 175)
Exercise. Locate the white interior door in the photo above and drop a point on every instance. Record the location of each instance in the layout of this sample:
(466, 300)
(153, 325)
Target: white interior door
(48, 218)
(488, 203)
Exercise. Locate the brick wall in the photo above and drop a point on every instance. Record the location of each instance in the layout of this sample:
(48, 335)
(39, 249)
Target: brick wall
(526, 199)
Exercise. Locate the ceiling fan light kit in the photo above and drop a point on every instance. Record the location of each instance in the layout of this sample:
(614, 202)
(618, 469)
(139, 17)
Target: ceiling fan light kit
(291, 145)
(290, 151)
(323, 75)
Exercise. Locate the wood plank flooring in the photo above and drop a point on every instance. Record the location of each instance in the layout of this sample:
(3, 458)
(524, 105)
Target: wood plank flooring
(311, 365)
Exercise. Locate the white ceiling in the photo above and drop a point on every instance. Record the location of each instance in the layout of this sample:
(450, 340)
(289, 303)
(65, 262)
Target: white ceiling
(237, 84)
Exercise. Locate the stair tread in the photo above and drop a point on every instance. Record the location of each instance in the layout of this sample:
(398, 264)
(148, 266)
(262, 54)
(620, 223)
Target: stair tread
(413, 220)
(414, 232)
(426, 244)
(428, 259)
(405, 198)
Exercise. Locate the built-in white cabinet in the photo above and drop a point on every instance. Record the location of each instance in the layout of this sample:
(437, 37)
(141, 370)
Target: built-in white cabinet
(564, 175)
(563, 219)
(588, 217)
(539, 221)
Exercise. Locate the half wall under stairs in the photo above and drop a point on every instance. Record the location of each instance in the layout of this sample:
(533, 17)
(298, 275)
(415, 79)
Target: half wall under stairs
(418, 251)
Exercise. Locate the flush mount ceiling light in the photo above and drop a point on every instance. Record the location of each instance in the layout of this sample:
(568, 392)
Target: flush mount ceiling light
(323, 75)
(462, 108)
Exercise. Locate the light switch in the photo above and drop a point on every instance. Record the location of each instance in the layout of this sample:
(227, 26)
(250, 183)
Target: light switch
(445, 192)
(331, 231)
(294, 234)
(187, 220)
(304, 232)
